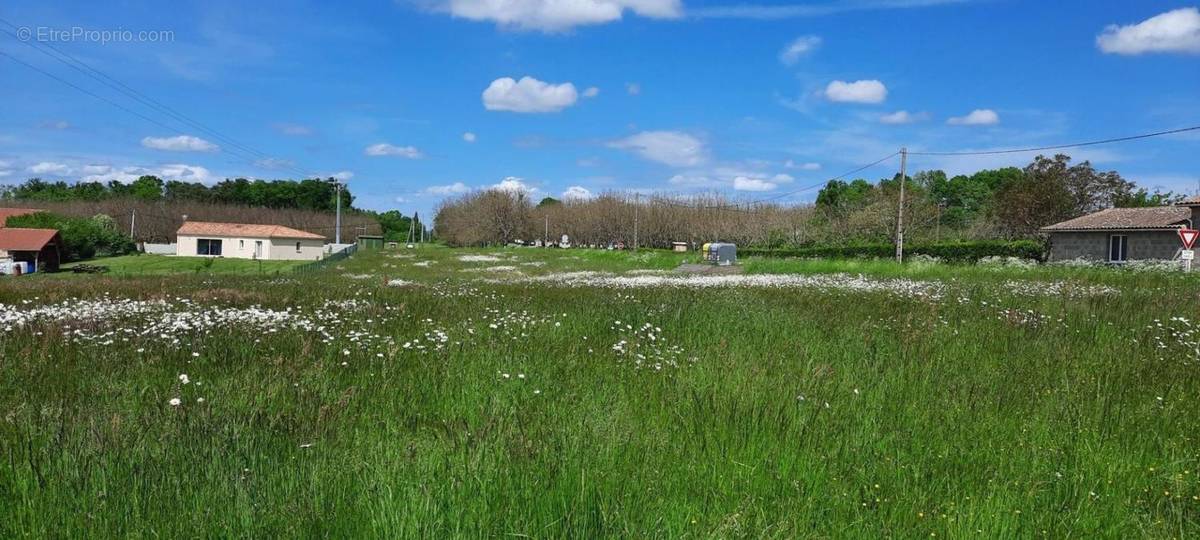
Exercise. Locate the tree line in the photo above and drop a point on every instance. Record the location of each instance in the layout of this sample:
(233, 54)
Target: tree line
(308, 194)
(303, 204)
(1006, 203)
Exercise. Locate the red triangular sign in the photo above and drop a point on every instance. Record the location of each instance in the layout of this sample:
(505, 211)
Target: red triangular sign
(1188, 236)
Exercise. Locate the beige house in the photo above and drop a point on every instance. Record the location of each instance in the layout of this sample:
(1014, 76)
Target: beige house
(246, 241)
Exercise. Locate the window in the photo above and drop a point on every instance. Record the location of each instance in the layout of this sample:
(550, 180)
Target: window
(297, 247)
(1118, 248)
(206, 246)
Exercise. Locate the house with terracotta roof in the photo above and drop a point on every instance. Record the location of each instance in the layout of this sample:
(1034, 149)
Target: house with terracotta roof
(1117, 235)
(247, 241)
(29, 250)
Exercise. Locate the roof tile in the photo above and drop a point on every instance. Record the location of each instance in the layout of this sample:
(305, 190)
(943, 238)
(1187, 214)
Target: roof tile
(1158, 217)
(206, 228)
(17, 239)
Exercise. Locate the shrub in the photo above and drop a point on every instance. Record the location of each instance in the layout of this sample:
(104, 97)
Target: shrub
(1006, 262)
(83, 238)
(955, 252)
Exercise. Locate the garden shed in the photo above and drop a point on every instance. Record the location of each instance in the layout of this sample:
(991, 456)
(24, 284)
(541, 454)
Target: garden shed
(368, 241)
(34, 250)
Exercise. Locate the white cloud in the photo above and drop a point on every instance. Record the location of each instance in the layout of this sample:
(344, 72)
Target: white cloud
(740, 178)
(55, 124)
(903, 117)
(179, 143)
(385, 149)
(866, 91)
(174, 171)
(693, 181)
(977, 117)
(797, 48)
(633, 88)
(673, 148)
(591, 92)
(810, 166)
(274, 163)
(4, 173)
(96, 169)
(1173, 31)
(295, 130)
(49, 167)
(514, 184)
(451, 189)
(186, 173)
(577, 192)
(556, 15)
(528, 95)
(343, 175)
(469, 137)
(743, 183)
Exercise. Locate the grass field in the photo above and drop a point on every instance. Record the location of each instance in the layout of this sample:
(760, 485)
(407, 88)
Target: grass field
(140, 265)
(544, 393)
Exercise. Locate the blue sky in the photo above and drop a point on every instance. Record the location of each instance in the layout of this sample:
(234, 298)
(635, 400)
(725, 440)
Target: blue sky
(678, 96)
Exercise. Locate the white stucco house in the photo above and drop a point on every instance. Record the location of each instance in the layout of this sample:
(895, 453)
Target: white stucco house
(247, 241)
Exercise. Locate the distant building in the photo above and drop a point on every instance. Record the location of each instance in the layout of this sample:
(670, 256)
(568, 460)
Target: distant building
(1117, 235)
(30, 250)
(247, 241)
(370, 241)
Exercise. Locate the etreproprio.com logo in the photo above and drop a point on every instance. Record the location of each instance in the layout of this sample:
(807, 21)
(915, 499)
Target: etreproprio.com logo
(49, 34)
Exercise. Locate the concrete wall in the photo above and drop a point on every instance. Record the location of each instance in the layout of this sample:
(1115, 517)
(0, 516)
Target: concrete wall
(243, 248)
(1093, 245)
(160, 249)
(285, 249)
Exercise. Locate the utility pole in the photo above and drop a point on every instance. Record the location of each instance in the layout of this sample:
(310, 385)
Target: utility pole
(132, 223)
(937, 229)
(637, 201)
(337, 227)
(546, 232)
(900, 210)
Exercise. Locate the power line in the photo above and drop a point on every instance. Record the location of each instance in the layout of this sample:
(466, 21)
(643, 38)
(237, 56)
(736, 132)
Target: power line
(85, 91)
(148, 101)
(838, 177)
(735, 207)
(104, 99)
(1059, 146)
(932, 153)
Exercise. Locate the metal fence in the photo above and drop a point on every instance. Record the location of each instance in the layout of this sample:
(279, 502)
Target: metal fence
(332, 258)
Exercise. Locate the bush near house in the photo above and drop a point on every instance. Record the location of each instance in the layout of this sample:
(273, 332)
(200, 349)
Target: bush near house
(83, 238)
(959, 252)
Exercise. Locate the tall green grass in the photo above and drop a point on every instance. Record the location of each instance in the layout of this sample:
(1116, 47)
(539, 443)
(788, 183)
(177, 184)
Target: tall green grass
(792, 413)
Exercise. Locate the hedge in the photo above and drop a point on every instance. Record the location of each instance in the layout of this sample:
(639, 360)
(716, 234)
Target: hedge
(83, 238)
(958, 252)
